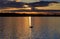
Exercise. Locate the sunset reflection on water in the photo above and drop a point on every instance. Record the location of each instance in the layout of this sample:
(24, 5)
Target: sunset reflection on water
(19, 28)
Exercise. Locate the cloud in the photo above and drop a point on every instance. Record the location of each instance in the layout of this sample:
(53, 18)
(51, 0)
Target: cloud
(28, 1)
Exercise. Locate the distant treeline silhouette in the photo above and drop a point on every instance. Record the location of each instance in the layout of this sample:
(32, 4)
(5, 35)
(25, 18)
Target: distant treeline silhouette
(20, 4)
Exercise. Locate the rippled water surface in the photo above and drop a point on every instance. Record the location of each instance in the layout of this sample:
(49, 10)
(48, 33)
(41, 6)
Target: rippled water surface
(18, 28)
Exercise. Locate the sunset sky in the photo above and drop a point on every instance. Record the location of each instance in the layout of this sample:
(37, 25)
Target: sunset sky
(28, 1)
(37, 0)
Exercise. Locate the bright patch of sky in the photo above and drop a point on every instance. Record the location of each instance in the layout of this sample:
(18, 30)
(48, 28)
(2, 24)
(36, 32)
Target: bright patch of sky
(29, 1)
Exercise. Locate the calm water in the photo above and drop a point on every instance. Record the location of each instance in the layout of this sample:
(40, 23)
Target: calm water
(18, 28)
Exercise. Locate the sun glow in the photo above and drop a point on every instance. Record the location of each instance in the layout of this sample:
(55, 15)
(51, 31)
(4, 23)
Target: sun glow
(17, 0)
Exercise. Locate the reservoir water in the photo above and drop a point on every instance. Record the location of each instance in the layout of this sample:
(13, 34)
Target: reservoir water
(19, 28)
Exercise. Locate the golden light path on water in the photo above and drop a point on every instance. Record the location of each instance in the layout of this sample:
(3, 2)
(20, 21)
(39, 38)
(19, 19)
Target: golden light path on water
(30, 25)
(27, 23)
(23, 30)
